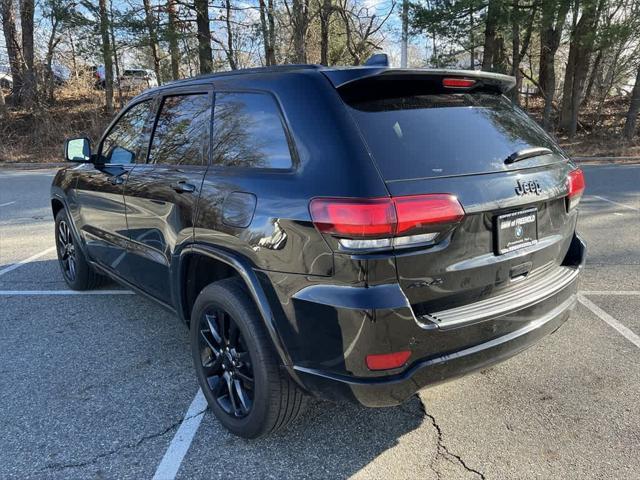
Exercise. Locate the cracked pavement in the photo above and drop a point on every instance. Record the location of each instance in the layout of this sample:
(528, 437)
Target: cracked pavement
(95, 387)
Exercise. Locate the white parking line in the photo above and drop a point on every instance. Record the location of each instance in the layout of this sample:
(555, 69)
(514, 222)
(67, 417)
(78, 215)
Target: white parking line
(609, 292)
(6, 204)
(170, 463)
(615, 203)
(11, 268)
(5, 293)
(604, 316)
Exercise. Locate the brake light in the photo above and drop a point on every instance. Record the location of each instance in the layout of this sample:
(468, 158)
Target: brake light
(575, 187)
(387, 361)
(385, 222)
(458, 82)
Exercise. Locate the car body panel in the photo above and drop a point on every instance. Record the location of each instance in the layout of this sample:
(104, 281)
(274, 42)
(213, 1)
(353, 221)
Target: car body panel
(326, 309)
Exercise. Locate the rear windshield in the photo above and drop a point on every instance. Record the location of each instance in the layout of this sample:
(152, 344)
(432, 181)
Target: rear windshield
(435, 135)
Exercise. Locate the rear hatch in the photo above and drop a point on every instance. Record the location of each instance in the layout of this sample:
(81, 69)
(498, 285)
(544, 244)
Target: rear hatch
(456, 133)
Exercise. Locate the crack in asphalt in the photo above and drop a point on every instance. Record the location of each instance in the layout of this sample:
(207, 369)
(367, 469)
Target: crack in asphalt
(443, 451)
(115, 451)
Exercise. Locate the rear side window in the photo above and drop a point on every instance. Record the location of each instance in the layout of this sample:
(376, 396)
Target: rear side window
(123, 143)
(248, 132)
(181, 135)
(436, 135)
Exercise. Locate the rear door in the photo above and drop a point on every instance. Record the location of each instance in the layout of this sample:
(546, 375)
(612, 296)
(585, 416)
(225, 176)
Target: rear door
(508, 175)
(161, 196)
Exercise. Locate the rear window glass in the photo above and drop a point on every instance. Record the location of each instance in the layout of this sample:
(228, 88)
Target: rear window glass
(436, 135)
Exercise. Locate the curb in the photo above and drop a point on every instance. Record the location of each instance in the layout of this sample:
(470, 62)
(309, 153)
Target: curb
(607, 160)
(31, 166)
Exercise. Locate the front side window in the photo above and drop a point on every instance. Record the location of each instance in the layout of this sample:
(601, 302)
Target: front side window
(124, 142)
(181, 136)
(248, 132)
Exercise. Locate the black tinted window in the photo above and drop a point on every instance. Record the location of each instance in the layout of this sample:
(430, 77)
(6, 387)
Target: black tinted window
(248, 132)
(181, 136)
(447, 134)
(123, 144)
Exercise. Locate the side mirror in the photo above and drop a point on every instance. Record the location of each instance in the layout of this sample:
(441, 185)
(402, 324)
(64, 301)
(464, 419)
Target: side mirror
(77, 150)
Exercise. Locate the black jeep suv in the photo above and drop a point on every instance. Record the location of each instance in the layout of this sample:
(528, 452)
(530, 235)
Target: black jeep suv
(349, 233)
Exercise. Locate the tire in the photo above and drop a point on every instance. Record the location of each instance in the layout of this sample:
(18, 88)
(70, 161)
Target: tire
(76, 270)
(274, 399)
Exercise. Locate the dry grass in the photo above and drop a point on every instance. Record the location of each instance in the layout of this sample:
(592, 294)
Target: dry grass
(78, 111)
(600, 130)
(37, 136)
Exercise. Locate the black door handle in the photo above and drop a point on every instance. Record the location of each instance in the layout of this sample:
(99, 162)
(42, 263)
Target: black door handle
(183, 187)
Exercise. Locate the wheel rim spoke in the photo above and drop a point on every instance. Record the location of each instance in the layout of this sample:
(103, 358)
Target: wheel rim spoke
(225, 363)
(244, 400)
(213, 328)
(247, 380)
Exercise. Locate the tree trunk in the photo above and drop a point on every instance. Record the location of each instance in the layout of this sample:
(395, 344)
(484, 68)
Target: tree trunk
(582, 41)
(594, 75)
(3, 105)
(272, 30)
(264, 32)
(27, 12)
(172, 33)
(7, 11)
(116, 62)
(51, 46)
(300, 21)
(106, 55)
(205, 54)
(490, 44)
(634, 109)
(404, 40)
(515, 47)
(231, 55)
(325, 17)
(472, 46)
(554, 14)
(153, 37)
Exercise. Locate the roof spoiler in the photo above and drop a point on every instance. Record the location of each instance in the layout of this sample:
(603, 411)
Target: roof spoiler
(341, 78)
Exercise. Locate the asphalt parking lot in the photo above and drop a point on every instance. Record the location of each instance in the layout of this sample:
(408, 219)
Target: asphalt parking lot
(100, 385)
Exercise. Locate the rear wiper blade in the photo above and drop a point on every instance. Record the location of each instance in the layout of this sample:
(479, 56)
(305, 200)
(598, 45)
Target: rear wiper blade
(527, 153)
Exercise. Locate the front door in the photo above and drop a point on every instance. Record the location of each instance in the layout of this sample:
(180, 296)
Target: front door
(100, 189)
(161, 197)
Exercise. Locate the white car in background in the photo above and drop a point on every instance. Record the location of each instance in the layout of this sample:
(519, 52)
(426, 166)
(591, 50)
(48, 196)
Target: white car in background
(138, 78)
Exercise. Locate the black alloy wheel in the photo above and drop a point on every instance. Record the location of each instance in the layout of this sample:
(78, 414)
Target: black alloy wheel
(226, 363)
(66, 251)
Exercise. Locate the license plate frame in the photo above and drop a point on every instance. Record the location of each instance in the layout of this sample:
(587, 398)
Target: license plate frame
(516, 230)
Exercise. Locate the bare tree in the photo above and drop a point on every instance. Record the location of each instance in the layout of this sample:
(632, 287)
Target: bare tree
(582, 39)
(150, 21)
(634, 109)
(7, 10)
(172, 33)
(267, 29)
(299, 17)
(361, 29)
(229, 48)
(554, 14)
(205, 54)
(106, 54)
(27, 13)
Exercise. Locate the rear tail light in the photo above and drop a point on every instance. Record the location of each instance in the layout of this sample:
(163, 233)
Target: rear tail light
(575, 187)
(387, 361)
(458, 82)
(385, 222)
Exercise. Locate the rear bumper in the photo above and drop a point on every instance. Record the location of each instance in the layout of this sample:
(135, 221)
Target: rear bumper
(332, 328)
(393, 390)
